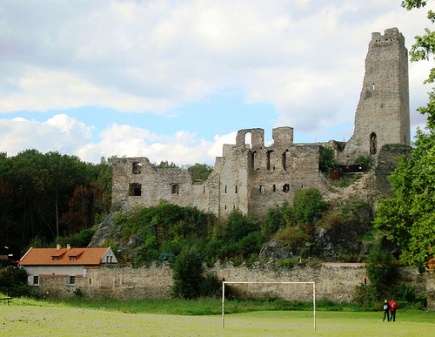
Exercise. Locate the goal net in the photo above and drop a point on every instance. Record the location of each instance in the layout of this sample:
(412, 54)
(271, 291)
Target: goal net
(313, 284)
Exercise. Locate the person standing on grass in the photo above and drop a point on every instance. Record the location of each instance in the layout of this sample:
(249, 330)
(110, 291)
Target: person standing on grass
(386, 308)
(393, 308)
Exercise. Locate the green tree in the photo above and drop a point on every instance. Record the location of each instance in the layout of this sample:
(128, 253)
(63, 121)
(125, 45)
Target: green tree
(200, 172)
(407, 218)
(187, 274)
(35, 191)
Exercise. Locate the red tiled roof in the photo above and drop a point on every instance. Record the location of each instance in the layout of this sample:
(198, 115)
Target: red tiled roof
(63, 256)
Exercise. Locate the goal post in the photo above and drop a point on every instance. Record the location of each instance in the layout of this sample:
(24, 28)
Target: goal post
(252, 282)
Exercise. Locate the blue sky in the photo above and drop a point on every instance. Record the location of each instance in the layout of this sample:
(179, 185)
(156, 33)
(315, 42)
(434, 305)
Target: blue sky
(175, 80)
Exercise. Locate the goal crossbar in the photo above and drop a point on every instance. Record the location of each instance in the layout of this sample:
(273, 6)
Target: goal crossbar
(252, 282)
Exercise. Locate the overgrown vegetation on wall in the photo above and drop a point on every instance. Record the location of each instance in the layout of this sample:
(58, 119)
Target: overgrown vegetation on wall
(309, 228)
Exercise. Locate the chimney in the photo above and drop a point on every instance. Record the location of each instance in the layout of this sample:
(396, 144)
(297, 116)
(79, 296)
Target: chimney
(58, 247)
(68, 246)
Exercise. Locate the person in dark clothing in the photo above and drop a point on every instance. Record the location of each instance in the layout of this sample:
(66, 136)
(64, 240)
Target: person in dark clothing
(386, 308)
(393, 308)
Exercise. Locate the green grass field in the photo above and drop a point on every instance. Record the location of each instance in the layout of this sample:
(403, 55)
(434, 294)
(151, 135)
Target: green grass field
(31, 318)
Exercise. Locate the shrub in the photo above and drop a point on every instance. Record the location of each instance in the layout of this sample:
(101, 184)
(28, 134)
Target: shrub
(367, 161)
(327, 160)
(187, 274)
(13, 282)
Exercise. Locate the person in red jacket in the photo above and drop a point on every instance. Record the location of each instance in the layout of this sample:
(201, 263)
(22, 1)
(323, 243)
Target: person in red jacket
(393, 308)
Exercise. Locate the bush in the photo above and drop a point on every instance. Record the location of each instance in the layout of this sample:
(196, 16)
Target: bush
(327, 160)
(367, 161)
(13, 282)
(187, 274)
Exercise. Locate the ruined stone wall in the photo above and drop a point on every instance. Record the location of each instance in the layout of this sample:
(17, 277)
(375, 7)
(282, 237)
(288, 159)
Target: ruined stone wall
(248, 177)
(137, 182)
(294, 167)
(387, 161)
(334, 281)
(382, 115)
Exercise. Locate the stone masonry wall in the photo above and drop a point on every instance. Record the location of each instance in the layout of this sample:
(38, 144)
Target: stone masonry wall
(336, 282)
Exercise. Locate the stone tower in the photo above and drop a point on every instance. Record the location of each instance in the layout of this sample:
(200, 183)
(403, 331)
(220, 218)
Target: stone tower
(382, 116)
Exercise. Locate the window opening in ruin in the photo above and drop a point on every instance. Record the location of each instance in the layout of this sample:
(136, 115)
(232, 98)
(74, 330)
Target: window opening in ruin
(248, 139)
(261, 189)
(203, 189)
(137, 167)
(135, 190)
(253, 159)
(274, 188)
(225, 207)
(72, 280)
(284, 160)
(175, 188)
(373, 87)
(270, 161)
(234, 206)
(235, 189)
(286, 188)
(35, 279)
(225, 188)
(373, 143)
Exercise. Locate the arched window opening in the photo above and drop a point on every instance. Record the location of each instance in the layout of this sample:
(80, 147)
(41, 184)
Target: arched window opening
(261, 189)
(274, 188)
(373, 143)
(235, 190)
(286, 188)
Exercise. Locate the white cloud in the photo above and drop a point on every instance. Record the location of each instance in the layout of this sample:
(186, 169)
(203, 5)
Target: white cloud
(306, 58)
(60, 133)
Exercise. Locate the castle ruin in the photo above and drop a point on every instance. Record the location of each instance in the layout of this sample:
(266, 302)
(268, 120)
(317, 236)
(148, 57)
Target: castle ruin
(253, 177)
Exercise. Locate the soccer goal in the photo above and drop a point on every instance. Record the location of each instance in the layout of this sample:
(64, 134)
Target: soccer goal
(230, 282)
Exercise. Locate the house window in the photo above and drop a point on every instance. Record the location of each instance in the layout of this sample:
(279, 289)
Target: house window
(109, 259)
(72, 280)
(55, 258)
(175, 188)
(35, 280)
(73, 258)
(135, 190)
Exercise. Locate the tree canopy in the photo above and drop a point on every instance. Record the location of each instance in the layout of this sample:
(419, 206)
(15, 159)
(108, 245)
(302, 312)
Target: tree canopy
(43, 196)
